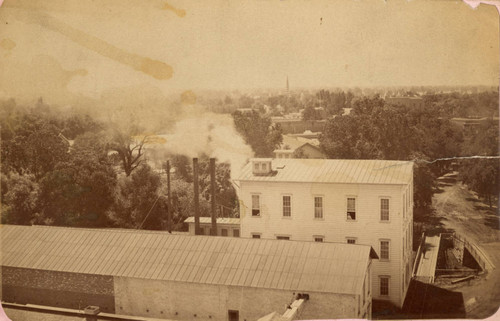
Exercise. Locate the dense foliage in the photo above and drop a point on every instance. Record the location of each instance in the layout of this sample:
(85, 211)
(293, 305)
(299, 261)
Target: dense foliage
(258, 132)
(67, 168)
(71, 170)
(482, 174)
(375, 131)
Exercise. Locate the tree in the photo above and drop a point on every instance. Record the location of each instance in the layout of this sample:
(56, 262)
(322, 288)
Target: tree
(183, 203)
(21, 200)
(35, 147)
(129, 144)
(79, 192)
(138, 203)
(366, 105)
(76, 125)
(482, 175)
(245, 102)
(424, 183)
(349, 137)
(258, 132)
(311, 113)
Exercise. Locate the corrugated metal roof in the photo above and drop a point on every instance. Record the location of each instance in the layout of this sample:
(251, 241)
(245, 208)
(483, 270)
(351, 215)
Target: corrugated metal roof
(220, 220)
(334, 171)
(277, 264)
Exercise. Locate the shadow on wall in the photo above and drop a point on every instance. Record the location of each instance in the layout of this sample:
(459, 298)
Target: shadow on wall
(426, 301)
(423, 301)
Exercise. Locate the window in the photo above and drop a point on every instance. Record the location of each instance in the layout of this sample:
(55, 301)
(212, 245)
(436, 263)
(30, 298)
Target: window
(236, 232)
(255, 205)
(384, 250)
(256, 167)
(223, 232)
(384, 209)
(283, 237)
(384, 285)
(287, 205)
(318, 207)
(264, 167)
(256, 236)
(318, 239)
(233, 315)
(351, 208)
(351, 240)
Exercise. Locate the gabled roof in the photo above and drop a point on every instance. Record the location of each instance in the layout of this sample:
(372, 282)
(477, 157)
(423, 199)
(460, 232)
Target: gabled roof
(334, 171)
(220, 220)
(296, 142)
(273, 264)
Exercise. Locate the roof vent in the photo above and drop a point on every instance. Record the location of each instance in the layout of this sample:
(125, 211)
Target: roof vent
(92, 309)
(261, 166)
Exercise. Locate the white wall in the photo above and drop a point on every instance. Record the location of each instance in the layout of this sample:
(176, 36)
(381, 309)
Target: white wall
(334, 227)
(211, 302)
(207, 226)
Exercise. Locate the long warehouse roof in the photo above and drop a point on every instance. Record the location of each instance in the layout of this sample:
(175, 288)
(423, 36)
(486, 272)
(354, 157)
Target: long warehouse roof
(273, 264)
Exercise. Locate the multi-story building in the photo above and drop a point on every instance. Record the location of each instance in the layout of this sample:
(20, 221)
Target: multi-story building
(351, 201)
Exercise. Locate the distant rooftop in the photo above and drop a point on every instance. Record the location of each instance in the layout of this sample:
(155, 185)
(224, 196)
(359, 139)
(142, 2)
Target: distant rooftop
(273, 264)
(405, 97)
(220, 220)
(334, 171)
(294, 142)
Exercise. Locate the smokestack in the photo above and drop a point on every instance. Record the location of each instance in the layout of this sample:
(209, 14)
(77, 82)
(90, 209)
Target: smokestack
(196, 198)
(169, 209)
(212, 189)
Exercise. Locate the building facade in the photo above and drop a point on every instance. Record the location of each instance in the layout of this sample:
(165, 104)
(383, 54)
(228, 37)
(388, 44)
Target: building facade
(350, 201)
(182, 277)
(226, 226)
(298, 147)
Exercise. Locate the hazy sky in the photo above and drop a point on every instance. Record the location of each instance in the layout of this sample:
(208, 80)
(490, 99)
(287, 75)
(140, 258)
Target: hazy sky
(62, 48)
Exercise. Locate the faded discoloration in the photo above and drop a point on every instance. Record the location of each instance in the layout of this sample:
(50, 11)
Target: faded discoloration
(150, 139)
(7, 44)
(179, 12)
(188, 97)
(156, 69)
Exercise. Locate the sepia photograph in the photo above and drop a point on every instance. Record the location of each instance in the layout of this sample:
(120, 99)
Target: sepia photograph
(249, 160)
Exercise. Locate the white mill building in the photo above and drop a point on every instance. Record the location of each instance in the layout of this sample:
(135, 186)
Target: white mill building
(367, 202)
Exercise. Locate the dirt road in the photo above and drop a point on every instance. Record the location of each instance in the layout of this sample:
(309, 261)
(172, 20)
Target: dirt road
(459, 210)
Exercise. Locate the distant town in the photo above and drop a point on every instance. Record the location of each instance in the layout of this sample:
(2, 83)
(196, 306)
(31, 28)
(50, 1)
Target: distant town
(382, 202)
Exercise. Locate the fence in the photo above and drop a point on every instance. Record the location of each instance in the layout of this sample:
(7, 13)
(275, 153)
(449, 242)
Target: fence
(419, 254)
(476, 252)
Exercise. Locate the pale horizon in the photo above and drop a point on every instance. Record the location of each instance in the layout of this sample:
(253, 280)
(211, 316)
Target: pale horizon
(66, 51)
